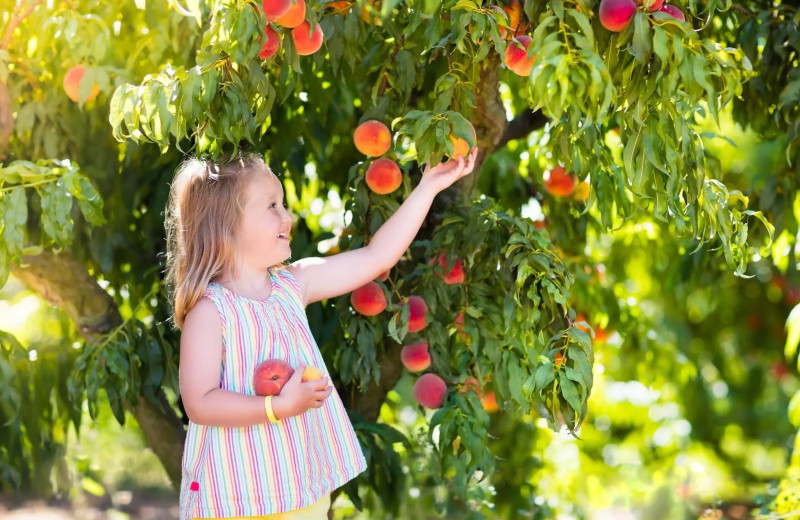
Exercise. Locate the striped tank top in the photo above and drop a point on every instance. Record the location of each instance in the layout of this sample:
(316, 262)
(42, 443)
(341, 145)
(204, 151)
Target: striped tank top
(271, 467)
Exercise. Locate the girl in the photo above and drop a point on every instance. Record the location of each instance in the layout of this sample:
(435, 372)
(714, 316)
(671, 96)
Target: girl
(239, 304)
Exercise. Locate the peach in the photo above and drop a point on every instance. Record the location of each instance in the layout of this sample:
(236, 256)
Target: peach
(558, 182)
(559, 359)
(461, 146)
(415, 357)
(312, 374)
(294, 16)
(270, 376)
(673, 11)
(369, 299)
(384, 276)
(272, 44)
(656, 4)
(540, 224)
(274, 9)
(489, 402)
(516, 58)
(582, 191)
(515, 15)
(72, 82)
(416, 317)
(616, 14)
(339, 7)
(456, 274)
(584, 328)
(372, 138)
(384, 176)
(306, 41)
(473, 384)
(429, 391)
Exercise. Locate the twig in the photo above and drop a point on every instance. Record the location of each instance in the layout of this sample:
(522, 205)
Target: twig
(16, 19)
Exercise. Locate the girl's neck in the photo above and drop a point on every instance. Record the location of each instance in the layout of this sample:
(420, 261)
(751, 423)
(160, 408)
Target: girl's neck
(252, 284)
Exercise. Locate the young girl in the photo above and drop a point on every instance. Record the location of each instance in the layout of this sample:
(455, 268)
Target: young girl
(238, 305)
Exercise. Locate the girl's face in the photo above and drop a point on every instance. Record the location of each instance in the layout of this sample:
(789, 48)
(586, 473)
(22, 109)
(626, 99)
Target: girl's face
(265, 226)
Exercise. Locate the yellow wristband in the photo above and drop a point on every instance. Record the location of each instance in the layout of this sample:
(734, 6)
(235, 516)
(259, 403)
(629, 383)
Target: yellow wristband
(268, 409)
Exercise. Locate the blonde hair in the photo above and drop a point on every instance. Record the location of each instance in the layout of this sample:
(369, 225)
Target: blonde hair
(202, 218)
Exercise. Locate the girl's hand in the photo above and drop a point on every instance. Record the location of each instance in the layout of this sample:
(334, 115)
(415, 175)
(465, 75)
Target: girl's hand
(444, 174)
(296, 396)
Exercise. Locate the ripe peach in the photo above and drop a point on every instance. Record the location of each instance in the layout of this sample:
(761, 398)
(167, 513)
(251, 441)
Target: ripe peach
(369, 299)
(584, 328)
(582, 191)
(415, 357)
(559, 359)
(456, 274)
(473, 384)
(294, 16)
(274, 9)
(384, 176)
(615, 14)
(656, 5)
(307, 41)
(516, 58)
(673, 11)
(558, 182)
(540, 224)
(270, 376)
(312, 374)
(272, 43)
(339, 7)
(489, 402)
(416, 317)
(429, 390)
(461, 146)
(372, 138)
(515, 15)
(384, 276)
(72, 82)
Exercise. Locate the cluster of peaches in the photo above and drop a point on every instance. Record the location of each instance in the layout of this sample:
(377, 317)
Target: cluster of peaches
(615, 15)
(430, 389)
(289, 14)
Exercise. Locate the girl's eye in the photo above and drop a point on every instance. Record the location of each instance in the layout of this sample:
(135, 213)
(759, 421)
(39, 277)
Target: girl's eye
(272, 205)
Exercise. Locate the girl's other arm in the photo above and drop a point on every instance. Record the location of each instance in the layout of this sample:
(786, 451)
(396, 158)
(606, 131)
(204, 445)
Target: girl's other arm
(200, 368)
(331, 276)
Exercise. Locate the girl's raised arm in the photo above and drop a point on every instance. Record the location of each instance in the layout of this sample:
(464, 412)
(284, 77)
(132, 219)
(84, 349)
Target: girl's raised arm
(327, 277)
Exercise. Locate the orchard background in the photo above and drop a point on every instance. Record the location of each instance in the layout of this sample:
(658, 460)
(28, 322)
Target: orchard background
(622, 343)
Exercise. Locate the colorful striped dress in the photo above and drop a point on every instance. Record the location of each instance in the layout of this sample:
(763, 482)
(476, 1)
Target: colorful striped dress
(267, 468)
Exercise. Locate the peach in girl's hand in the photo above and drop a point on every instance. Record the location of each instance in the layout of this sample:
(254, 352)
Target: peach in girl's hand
(312, 374)
(270, 376)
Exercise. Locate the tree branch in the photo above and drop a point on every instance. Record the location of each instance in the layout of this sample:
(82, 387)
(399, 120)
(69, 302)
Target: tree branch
(16, 18)
(522, 125)
(65, 283)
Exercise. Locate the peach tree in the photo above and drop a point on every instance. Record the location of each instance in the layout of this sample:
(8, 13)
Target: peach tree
(608, 229)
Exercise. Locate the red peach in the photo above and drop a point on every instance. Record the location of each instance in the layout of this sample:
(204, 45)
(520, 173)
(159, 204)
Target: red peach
(456, 274)
(516, 58)
(369, 299)
(558, 182)
(673, 11)
(656, 5)
(415, 357)
(616, 14)
(272, 44)
(473, 384)
(383, 176)
(294, 16)
(372, 138)
(461, 146)
(429, 390)
(274, 9)
(72, 82)
(306, 41)
(270, 376)
(489, 402)
(416, 317)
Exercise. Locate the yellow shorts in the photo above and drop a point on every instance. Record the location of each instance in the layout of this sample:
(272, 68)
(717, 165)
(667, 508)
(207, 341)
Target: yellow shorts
(316, 511)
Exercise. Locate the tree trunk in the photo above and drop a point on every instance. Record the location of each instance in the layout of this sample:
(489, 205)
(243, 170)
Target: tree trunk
(65, 283)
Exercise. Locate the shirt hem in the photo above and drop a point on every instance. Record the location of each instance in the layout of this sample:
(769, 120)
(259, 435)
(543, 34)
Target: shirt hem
(250, 509)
